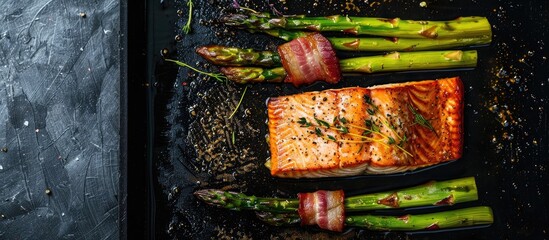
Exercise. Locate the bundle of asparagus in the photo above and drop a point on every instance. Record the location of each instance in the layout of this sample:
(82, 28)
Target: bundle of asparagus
(279, 211)
(247, 65)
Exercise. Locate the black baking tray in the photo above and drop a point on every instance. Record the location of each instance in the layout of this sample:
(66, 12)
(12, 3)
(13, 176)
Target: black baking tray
(172, 112)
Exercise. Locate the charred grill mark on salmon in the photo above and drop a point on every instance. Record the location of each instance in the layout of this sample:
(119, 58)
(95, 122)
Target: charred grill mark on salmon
(356, 130)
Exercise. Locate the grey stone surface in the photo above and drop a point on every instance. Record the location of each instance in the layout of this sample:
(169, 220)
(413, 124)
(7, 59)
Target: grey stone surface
(59, 119)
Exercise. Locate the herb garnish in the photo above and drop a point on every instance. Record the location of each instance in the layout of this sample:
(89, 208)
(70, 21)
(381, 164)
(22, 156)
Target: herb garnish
(187, 27)
(367, 99)
(342, 129)
(322, 123)
(318, 132)
(419, 119)
(371, 128)
(341, 125)
(303, 122)
(217, 76)
(239, 102)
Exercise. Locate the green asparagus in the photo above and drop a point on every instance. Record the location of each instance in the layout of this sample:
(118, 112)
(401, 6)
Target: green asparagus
(431, 221)
(447, 192)
(387, 44)
(463, 27)
(231, 56)
(396, 61)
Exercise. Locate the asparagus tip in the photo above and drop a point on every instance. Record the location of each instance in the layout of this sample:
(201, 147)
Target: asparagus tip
(202, 194)
(206, 52)
(210, 196)
(234, 19)
(240, 74)
(203, 51)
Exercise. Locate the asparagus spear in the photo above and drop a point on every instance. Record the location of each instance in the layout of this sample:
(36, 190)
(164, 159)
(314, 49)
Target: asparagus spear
(431, 221)
(387, 44)
(231, 56)
(396, 61)
(447, 192)
(463, 27)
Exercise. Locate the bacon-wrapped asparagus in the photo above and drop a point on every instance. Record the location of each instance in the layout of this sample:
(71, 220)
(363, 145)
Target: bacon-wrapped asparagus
(280, 211)
(241, 65)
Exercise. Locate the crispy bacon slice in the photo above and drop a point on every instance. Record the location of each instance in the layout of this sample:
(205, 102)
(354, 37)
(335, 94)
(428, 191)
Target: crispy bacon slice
(381, 134)
(308, 59)
(324, 208)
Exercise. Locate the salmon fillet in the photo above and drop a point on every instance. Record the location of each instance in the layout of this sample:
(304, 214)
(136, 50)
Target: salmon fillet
(383, 129)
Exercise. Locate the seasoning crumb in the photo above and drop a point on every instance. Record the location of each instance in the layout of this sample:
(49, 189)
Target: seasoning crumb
(423, 4)
(82, 14)
(48, 191)
(165, 52)
(4, 149)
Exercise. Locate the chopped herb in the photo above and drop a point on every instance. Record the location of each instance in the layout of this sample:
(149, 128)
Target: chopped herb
(371, 125)
(360, 149)
(419, 119)
(217, 76)
(368, 123)
(367, 99)
(318, 132)
(322, 123)
(239, 102)
(233, 138)
(375, 128)
(303, 122)
(371, 128)
(342, 129)
(403, 140)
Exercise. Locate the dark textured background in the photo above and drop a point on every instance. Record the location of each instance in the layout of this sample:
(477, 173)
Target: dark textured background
(59, 119)
(506, 126)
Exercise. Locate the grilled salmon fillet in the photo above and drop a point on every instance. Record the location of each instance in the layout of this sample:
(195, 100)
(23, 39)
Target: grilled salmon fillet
(382, 129)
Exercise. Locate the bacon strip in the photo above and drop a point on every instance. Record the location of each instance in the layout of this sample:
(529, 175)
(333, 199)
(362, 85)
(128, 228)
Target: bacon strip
(324, 208)
(308, 59)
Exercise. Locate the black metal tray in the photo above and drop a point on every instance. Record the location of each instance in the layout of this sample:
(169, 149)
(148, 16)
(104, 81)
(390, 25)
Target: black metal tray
(174, 111)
